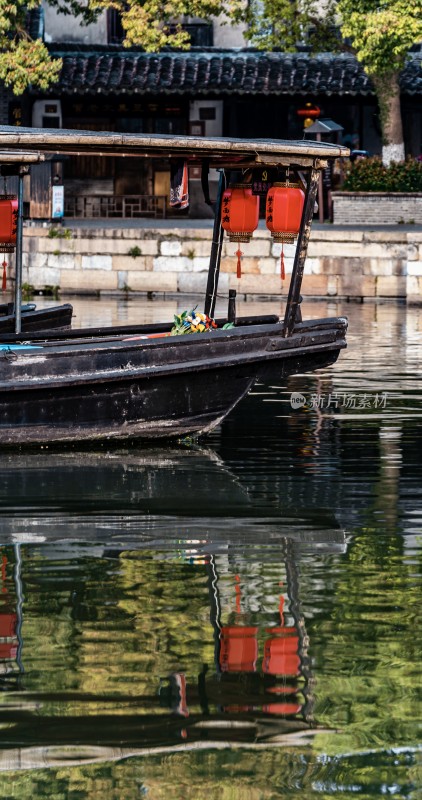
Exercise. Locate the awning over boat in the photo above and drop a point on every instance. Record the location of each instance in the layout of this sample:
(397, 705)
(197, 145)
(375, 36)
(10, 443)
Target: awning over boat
(219, 151)
(20, 157)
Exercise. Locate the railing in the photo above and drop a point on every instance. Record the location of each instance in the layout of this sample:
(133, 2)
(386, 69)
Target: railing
(124, 206)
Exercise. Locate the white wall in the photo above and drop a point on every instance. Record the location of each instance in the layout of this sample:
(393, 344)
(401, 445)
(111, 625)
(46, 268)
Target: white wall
(61, 28)
(227, 36)
(213, 127)
(65, 28)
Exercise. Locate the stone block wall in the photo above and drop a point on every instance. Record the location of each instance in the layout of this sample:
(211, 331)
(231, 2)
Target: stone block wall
(377, 208)
(341, 263)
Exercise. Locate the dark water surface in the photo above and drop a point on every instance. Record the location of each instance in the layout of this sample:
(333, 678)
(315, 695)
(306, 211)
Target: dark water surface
(236, 618)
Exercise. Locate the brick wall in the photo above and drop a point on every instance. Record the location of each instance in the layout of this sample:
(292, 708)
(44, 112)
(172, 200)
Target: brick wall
(377, 208)
(341, 263)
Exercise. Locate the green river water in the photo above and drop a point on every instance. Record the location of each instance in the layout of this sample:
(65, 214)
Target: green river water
(234, 618)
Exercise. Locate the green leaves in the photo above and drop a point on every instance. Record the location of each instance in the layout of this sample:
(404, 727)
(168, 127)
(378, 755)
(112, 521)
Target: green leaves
(381, 33)
(23, 62)
(370, 175)
(28, 63)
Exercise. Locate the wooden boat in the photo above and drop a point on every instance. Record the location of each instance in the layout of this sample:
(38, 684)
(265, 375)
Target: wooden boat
(15, 317)
(138, 381)
(35, 319)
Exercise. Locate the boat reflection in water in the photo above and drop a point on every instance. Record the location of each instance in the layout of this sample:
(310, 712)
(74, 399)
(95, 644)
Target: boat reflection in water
(131, 628)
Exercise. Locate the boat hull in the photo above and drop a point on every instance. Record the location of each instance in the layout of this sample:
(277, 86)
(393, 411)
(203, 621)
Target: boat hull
(35, 320)
(135, 388)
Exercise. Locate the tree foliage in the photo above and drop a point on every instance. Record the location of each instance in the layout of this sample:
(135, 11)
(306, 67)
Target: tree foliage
(23, 61)
(381, 33)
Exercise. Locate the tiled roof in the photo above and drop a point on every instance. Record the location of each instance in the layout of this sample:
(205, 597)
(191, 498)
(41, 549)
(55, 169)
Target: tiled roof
(114, 69)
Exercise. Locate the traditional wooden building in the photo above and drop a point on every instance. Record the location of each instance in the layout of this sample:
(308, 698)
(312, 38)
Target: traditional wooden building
(219, 88)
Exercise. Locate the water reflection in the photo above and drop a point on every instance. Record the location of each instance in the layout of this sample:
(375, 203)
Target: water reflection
(240, 615)
(150, 496)
(193, 638)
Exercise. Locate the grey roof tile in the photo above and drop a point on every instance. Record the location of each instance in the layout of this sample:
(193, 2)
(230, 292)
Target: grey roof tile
(112, 69)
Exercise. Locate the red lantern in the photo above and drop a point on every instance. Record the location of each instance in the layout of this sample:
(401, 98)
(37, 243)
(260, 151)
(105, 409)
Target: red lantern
(309, 111)
(8, 221)
(240, 212)
(239, 215)
(283, 213)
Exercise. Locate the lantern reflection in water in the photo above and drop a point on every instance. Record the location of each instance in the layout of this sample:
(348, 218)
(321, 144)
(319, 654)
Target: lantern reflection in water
(9, 643)
(239, 650)
(258, 669)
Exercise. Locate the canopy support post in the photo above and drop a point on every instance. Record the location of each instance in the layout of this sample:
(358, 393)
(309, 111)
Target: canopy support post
(293, 299)
(216, 247)
(19, 241)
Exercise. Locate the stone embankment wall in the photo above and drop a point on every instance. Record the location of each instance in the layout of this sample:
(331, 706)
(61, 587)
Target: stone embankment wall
(341, 263)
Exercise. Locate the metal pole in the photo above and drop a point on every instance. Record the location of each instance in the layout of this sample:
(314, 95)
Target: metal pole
(18, 270)
(293, 299)
(215, 256)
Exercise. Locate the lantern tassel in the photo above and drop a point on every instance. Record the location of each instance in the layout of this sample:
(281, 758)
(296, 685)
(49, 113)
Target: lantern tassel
(282, 270)
(239, 255)
(4, 281)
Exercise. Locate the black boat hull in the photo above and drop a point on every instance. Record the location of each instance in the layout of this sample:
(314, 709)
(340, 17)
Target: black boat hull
(35, 320)
(136, 388)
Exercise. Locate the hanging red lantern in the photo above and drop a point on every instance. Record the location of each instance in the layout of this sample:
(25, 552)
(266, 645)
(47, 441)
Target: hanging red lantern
(8, 222)
(309, 110)
(283, 214)
(284, 211)
(240, 212)
(239, 215)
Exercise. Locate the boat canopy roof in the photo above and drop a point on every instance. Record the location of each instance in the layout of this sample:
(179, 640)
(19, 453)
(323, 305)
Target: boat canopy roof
(217, 151)
(20, 157)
